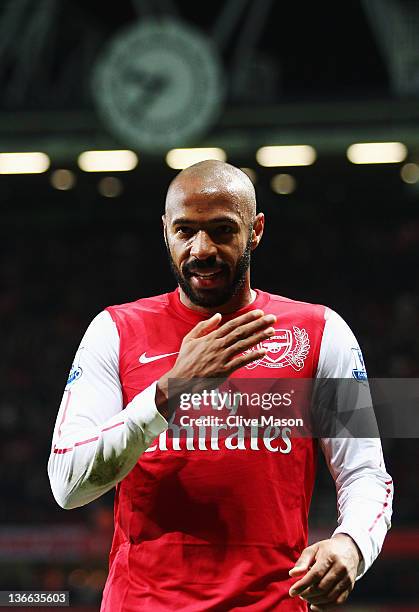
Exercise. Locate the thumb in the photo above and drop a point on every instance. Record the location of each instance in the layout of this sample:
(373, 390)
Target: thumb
(205, 327)
(305, 561)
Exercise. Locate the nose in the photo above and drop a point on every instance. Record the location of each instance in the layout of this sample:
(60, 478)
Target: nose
(202, 246)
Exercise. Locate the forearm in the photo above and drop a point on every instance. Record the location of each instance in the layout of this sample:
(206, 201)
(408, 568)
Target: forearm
(364, 513)
(87, 460)
(364, 494)
(162, 397)
(169, 387)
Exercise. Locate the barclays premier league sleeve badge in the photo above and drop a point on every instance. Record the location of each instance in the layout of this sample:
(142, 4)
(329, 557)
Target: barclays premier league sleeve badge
(358, 372)
(76, 371)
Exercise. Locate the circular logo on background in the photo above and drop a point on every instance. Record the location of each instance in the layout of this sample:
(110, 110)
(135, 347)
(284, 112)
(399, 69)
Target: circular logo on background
(158, 85)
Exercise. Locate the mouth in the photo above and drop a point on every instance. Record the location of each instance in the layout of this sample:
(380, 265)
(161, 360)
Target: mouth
(207, 279)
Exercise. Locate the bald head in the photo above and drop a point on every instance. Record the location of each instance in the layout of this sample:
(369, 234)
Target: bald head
(211, 178)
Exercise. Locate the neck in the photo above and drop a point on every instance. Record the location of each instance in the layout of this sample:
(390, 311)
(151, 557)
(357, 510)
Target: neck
(245, 297)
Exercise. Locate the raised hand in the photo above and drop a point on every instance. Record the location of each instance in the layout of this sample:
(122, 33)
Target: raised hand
(209, 351)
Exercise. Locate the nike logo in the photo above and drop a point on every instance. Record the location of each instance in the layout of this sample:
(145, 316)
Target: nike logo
(144, 359)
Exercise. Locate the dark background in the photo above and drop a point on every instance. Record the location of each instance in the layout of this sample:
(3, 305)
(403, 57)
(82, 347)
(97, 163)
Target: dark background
(347, 237)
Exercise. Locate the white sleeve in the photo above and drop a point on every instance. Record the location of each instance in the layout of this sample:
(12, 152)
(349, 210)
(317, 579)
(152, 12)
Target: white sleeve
(363, 486)
(96, 442)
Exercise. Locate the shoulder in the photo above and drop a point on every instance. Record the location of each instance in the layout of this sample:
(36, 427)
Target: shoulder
(340, 354)
(336, 325)
(314, 313)
(99, 328)
(98, 346)
(154, 304)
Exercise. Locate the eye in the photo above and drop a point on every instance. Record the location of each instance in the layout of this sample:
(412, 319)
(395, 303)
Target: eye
(183, 230)
(225, 229)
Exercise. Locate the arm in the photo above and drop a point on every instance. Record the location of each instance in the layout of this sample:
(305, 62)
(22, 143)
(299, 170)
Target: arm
(96, 442)
(364, 489)
(363, 486)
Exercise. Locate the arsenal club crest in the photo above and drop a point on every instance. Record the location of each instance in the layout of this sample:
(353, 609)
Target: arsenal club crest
(285, 348)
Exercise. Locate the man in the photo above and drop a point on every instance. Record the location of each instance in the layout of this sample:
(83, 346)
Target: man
(217, 522)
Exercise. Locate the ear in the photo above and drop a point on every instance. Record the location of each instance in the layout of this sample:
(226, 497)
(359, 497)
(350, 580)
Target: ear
(257, 233)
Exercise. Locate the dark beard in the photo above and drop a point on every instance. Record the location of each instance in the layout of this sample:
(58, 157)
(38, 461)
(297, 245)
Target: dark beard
(216, 297)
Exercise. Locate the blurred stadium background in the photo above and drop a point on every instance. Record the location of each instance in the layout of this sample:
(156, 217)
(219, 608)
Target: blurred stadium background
(342, 223)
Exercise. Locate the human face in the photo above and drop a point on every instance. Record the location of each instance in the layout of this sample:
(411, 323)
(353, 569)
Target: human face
(209, 246)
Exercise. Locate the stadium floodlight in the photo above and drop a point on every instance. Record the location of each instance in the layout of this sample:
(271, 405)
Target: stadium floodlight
(178, 159)
(24, 163)
(283, 184)
(376, 152)
(286, 155)
(62, 179)
(410, 173)
(107, 161)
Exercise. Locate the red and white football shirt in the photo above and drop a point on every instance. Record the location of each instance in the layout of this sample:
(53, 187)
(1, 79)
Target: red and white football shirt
(204, 524)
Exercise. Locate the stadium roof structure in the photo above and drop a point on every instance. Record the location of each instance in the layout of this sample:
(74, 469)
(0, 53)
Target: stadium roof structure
(325, 75)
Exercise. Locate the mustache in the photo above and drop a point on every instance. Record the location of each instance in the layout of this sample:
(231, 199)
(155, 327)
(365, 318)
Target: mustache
(205, 264)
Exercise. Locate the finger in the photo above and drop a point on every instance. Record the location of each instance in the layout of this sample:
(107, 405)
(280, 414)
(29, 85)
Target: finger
(313, 576)
(327, 584)
(329, 606)
(342, 598)
(334, 577)
(248, 343)
(321, 607)
(305, 560)
(245, 331)
(343, 586)
(205, 327)
(242, 360)
(229, 326)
